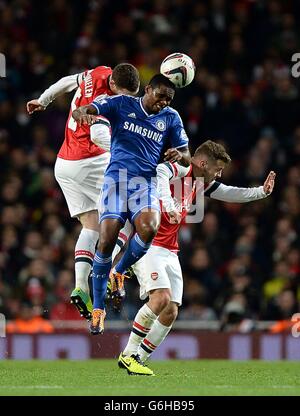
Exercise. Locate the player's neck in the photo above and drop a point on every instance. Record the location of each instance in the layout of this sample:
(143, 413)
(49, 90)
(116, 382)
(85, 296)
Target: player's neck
(198, 173)
(145, 106)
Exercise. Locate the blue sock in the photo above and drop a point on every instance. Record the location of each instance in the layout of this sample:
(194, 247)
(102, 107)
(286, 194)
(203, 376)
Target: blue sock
(135, 250)
(100, 273)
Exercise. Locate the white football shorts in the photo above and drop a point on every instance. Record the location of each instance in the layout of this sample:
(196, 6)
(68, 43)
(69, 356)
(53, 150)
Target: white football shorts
(159, 268)
(81, 181)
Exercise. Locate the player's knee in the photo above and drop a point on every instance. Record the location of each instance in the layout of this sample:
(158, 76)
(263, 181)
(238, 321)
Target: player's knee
(105, 245)
(89, 220)
(109, 231)
(147, 231)
(163, 299)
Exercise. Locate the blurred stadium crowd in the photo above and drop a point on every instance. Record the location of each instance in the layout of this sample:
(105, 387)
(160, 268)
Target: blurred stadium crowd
(241, 261)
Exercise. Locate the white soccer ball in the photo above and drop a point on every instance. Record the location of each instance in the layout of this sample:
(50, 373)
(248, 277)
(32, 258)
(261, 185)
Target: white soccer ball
(179, 68)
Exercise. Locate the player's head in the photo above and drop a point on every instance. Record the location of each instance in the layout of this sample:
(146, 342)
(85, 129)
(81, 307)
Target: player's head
(158, 94)
(124, 79)
(209, 160)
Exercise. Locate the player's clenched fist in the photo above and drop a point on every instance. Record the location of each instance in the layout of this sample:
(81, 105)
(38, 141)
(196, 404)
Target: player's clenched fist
(33, 106)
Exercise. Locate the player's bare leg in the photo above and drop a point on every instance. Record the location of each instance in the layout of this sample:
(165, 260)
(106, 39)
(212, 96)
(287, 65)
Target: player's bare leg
(84, 255)
(159, 331)
(151, 325)
(109, 232)
(168, 316)
(159, 299)
(146, 224)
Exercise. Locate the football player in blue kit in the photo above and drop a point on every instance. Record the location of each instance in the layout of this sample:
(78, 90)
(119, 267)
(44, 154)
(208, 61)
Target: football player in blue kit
(142, 129)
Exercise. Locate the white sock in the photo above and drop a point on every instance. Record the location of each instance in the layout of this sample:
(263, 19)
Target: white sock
(154, 338)
(141, 326)
(116, 251)
(124, 234)
(84, 254)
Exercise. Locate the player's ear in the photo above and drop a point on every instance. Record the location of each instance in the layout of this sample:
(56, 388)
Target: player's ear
(148, 89)
(112, 85)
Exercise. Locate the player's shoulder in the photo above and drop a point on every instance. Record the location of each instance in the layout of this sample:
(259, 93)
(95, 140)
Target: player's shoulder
(123, 97)
(126, 99)
(115, 100)
(102, 70)
(104, 98)
(172, 112)
(98, 72)
(130, 98)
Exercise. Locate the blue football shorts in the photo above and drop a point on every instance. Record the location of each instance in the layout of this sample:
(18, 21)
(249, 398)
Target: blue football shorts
(125, 200)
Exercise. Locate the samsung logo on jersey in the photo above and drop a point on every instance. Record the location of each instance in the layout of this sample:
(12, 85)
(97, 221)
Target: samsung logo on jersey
(150, 134)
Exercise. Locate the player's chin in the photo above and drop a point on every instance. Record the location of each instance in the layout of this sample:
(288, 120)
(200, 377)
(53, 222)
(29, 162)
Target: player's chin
(157, 108)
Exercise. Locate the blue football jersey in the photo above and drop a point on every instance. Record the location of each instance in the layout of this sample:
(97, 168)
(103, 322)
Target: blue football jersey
(138, 138)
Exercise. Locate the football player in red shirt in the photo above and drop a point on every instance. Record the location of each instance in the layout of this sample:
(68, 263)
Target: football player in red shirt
(83, 158)
(159, 271)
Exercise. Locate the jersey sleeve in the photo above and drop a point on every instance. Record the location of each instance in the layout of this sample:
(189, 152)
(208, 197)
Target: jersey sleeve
(176, 170)
(177, 134)
(227, 193)
(108, 106)
(165, 172)
(100, 133)
(65, 84)
(164, 175)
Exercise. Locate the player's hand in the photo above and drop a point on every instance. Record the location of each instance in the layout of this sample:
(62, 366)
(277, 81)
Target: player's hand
(269, 183)
(172, 155)
(174, 217)
(33, 106)
(83, 118)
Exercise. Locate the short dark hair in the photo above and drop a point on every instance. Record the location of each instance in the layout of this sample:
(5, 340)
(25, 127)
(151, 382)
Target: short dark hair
(214, 151)
(160, 79)
(126, 76)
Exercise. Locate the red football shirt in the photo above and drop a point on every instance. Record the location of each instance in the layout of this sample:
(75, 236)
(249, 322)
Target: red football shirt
(167, 235)
(77, 144)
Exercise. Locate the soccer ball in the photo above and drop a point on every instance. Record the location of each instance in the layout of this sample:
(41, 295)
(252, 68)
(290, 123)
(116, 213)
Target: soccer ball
(179, 68)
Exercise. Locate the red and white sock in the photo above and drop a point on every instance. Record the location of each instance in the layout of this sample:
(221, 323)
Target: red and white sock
(142, 324)
(124, 234)
(153, 339)
(84, 255)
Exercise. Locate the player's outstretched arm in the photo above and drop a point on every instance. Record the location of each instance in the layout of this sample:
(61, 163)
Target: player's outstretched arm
(182, 156)
(227, 193)
(62, 86)
(87, 114)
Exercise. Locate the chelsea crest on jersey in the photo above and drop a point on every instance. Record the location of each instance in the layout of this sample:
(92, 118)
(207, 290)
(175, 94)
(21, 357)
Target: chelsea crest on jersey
(139, 138)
